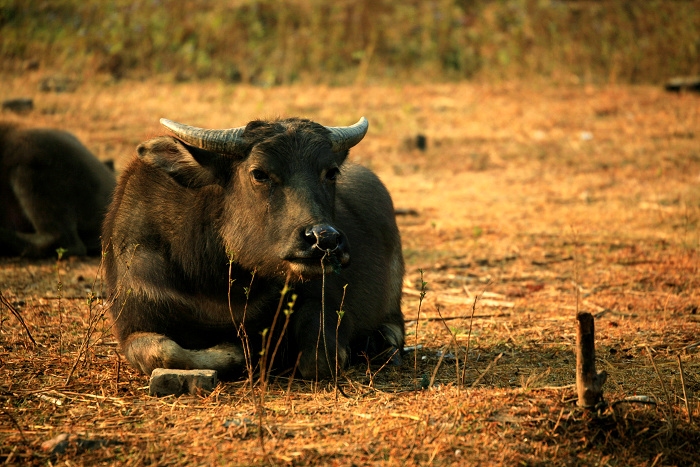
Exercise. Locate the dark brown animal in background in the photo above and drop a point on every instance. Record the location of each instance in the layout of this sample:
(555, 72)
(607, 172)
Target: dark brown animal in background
(53, 193)
(205, 230)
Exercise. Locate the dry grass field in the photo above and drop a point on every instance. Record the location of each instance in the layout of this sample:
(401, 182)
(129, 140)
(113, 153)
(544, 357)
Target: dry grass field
(529, 203)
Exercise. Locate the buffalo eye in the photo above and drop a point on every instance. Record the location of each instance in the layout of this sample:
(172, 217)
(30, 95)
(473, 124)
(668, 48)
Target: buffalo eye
(259, 176)
(332, 174)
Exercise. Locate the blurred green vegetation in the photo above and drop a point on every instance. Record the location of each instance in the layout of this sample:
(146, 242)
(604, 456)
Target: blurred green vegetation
(270, 42)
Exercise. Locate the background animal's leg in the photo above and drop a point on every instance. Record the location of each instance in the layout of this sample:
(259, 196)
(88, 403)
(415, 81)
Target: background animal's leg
(14, 243)
(54, 223)
(11, 244)
(148, 351)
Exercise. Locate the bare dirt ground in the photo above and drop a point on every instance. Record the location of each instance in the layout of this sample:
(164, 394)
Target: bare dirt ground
(537, 200)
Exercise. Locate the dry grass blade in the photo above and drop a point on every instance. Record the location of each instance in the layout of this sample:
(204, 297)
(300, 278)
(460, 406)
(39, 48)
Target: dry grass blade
(456, 351)
(469, 335)
(661, 381)
(481, 376)
(17, 315)
(685, 394)
(435, 370)
(423, 285)
(16, 425)
(92, 325)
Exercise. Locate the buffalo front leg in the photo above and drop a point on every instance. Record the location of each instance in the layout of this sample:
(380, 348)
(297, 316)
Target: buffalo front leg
(148, 351)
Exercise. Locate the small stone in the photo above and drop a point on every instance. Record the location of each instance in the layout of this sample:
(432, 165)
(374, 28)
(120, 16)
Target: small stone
(166, 382)
(683, 83)
(18, 105)
(60, 443)
(58, 83)
(57, 444)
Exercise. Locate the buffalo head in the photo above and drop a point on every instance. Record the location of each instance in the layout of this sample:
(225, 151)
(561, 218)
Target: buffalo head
(276, 182)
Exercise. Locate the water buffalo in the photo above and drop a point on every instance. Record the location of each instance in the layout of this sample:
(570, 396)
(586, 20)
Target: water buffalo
(53, 193)
(213, 234)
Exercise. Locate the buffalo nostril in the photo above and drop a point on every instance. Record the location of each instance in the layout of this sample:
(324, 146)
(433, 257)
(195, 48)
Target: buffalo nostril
(323, 237)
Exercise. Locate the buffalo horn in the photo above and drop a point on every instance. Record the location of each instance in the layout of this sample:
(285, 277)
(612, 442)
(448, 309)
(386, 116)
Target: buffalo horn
(226, 141)
(221, 141)
(345, 137)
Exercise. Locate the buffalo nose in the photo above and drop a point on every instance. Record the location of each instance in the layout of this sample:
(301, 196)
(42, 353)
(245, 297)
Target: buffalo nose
(323, 237)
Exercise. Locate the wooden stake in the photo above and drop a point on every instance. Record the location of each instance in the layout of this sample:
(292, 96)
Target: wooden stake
(589, 383)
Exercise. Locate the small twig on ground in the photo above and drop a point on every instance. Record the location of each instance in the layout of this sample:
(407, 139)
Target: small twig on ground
(340, 313)
(59, 289)
(663, 386)
(481, 376)
(266, 360)
(291, 379)
(469, 335)
(370, 374)
(423, 284)
(692, 346)
(119, 368)
(14, 311)
(437, 367)
(92, 326)
(454, 342)
(287, 312)
(240, 327)
(322, 323)
(14, 422)
(93, 320)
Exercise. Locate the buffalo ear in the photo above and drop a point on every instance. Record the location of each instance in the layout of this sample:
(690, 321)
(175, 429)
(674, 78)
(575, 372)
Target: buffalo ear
(189, 166)
(341, 156)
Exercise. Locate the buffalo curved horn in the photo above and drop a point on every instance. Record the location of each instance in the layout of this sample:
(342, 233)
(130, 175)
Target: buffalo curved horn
(221, 141)
(226, 141)
(345, 137)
